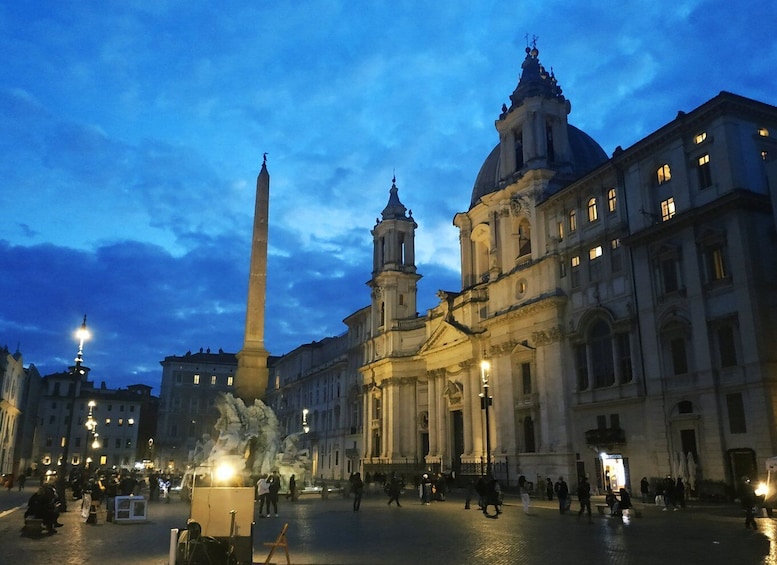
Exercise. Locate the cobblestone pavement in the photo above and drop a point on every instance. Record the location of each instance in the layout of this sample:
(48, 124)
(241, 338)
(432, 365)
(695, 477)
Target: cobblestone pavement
(328, 532)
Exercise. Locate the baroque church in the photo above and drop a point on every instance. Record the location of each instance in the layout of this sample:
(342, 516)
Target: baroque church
(616, 316)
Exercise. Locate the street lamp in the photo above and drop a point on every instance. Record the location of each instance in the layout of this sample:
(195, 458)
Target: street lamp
(485, 402)
(76, 373)
(91, 427)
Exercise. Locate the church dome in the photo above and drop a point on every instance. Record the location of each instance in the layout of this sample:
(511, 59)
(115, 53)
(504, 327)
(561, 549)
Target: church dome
(587, 154)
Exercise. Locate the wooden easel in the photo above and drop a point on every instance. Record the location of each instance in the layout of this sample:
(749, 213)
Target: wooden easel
(280, 542)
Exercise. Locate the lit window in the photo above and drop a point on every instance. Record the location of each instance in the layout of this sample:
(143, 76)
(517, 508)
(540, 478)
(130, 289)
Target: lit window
(663, 174)
(611, 200)
(595, 252)
(763, 132)
(572, 220)
(230, 380)
(575, 261)
(107, 421)
(561, 231)
(764, 155)
(593, 213)
(121, 421)
(213, 380)
(196, 379)
(699, 138)
(667, 209)
(704, 172)
(615, 256)
(131, 422)
(575, 275)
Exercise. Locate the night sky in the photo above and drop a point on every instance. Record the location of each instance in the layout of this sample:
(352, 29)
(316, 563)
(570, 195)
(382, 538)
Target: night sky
(131, 134)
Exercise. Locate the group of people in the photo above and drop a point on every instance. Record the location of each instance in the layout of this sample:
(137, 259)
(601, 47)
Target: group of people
(267, 488)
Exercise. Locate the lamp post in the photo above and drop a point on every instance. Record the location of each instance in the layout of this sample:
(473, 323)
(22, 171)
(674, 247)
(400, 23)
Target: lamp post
(91, 428)
(485, 402)
(76, 373)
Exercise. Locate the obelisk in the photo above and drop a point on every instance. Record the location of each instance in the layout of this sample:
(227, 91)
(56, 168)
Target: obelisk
(252, 372)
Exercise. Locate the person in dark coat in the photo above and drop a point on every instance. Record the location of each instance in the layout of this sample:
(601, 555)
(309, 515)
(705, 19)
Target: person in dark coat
(394, 489)
(357, 486)
(644, 488)
(43, 506)
(748, 499)
(584, 496)
(549, 489)
(562, 492)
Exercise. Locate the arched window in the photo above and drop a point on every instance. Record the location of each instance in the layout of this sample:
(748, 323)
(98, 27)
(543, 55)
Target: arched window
(572, 220)
(593, 212)
(524, 238)
(611, 200)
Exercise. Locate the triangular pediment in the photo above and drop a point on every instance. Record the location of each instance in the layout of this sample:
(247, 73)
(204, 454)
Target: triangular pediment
(446, 335)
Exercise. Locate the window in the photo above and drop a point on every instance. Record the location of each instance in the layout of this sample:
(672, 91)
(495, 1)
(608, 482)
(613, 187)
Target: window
(594, 262)
(575, 270)
(213, 380)
(764, 155)
(526, 378)
(107, 421)
(611, 200)
(669, 275)
(700, 137)
(196, 379)
(727, 350)
(117, 443)
(763, 132)
(524, 238)
(593, 213)
(713, 256)
(561, 231)
(572, 220)
(623, 345)
(178, 378)
(518, 151)
(703, 171)
(679, 356)
(736, 413)
(663, 174)
(581, 363)
(121, 421)
(616, 261)
(600, 347)
(230, 380)
(549, 143)
(667, 209)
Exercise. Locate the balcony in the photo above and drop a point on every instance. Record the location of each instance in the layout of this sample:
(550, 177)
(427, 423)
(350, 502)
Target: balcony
(605, 437)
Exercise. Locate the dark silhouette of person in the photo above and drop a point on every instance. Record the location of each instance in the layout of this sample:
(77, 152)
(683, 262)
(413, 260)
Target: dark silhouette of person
(394, 489)
(584, 496)
(357, 486)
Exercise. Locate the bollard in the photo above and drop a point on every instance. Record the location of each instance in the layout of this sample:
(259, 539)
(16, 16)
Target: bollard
(173, 546)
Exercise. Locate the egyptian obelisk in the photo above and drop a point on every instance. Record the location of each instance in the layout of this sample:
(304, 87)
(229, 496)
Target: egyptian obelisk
(252, 372)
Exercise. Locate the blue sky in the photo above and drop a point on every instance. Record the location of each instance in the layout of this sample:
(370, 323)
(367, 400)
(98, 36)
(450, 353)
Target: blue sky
(131, 134)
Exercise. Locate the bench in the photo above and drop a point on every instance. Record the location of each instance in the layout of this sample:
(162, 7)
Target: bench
(280, 542)
(33, 527)
(603, 509)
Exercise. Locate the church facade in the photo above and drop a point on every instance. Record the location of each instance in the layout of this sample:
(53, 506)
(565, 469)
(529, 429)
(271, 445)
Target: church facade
(616, 316)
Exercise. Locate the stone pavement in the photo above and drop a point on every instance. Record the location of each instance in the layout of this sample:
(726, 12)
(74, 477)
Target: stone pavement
(328, 532)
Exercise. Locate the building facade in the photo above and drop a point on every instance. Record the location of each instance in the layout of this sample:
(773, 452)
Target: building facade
(624, 305)
(13, 382)
(67, 402)
(187, 413)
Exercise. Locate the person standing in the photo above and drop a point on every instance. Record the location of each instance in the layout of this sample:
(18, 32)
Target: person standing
(21, 480)
(262, 493)
(273, 485)
(669, 486)
(470, 492)
(357, 485)
(748, 499)
(562, 492)
(523, 489)
(549, 488)
(644, 488)
(292, 489)
(584, 496)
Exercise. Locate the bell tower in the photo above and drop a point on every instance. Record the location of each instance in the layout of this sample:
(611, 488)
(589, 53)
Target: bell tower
(394, 276)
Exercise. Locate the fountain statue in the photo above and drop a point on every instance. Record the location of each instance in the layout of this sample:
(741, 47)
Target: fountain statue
(249, 439)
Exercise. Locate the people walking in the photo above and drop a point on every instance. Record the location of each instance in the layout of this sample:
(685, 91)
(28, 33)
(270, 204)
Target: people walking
(584, 496)
(357, 486)
(523, 489)
(394, 489)
(21, 480)
(562, 492)
(492, 498)
(262, 492)
(273, 485)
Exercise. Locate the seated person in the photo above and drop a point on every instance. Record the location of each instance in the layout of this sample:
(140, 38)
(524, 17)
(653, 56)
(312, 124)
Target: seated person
(623, 504)
(611, 500)
(43, 506)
